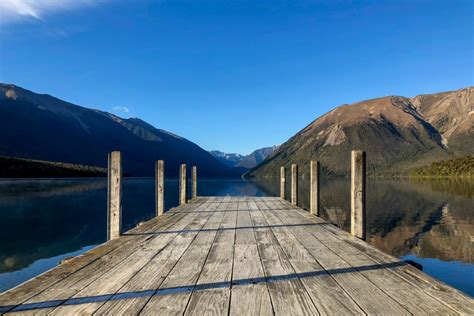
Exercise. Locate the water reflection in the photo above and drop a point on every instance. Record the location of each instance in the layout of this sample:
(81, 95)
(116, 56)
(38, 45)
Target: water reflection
(41, 221)
(432, 219)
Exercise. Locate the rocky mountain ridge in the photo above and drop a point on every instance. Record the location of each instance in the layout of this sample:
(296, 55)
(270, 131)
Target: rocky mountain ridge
(398, 134)
(39, 126)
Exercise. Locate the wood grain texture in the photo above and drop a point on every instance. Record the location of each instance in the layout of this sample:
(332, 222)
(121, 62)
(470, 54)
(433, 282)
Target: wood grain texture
(249, 296)
(358, 186)
(114, 196)
(159, 187)
(282, 182)
(182, 184)
(239, 256)
(294, 184)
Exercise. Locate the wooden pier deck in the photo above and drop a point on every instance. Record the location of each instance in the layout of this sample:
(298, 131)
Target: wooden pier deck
(239, 256)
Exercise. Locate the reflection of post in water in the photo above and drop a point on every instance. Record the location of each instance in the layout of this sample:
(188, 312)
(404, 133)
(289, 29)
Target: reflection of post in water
(336, 216)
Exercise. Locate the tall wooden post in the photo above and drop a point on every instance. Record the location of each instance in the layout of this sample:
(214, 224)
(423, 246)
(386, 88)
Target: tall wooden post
(314, 188)
(282, 182)
(358, 184)
(294, 184)
(182, 185)
(194, 188)
(114, 195)
(160, 187)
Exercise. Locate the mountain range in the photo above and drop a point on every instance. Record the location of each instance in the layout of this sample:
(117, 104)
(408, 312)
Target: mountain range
(40, 126)
(244, 162)
(398, 134)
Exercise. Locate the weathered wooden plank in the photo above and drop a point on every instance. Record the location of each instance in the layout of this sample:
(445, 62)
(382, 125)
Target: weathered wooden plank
(327, 295)
(287, 293)
(314, 188)
(159, 187)
(358, 184)
(294, 184)
(194, 184)
(212, 293)
(278, 259)
(371, 299)
(412, 299)
(282, 182)
(133, 296)
(249, 293)
(109, 283)
(95, 272)
(114, 196)
(173, 294)
(182, 185)
(415, 278)
(94, 257)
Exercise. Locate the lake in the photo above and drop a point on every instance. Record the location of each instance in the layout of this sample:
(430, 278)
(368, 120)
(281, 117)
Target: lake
(428, 222)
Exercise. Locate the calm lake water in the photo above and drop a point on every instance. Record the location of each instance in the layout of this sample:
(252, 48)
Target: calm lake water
(429, 222)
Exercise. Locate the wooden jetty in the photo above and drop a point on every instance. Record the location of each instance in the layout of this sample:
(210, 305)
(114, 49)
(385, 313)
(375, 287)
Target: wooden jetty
(233, 255)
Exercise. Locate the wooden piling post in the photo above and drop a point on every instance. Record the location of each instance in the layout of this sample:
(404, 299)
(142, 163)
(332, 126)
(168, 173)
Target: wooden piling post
(294, 184)
(358, 185)
(282, 182)
(194, 188)
(182, 185)
(314, 188)
(114, 195)
(160, 187)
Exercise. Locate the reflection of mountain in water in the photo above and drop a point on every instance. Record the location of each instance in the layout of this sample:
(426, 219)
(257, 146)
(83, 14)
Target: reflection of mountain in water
(16, 190)
(429, 219)
(47, 218)
(458, 231)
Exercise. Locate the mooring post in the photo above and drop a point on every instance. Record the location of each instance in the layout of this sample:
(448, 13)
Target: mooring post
(314, 188)
(282, 182)
(182, 184)
(160, 187)
(194, 188)
(114, 195)
(294, 184)
(358, 184)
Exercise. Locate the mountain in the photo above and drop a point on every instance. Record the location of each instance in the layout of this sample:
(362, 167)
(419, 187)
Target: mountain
(39, 126)
(398, 134)
(256, 157)
(228, 159)
(244, 162)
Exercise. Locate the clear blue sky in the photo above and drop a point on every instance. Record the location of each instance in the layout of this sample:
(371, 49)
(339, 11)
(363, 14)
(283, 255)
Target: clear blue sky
(234, 75)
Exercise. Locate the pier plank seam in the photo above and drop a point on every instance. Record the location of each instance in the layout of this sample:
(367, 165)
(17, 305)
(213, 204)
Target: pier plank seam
(299, 264)
(248, 265)
(327, 294)
(148, 280)
(218, 267)
(434, 288)
(458, 302)
(42, 282)
(183, 277)
(288, 294)
(95, 269)
(111, 282)
(414, 301)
